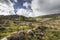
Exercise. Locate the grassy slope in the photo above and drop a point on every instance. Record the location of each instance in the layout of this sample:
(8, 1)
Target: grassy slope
(12, 24)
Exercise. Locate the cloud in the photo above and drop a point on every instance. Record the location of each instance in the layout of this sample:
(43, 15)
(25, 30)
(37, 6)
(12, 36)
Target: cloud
(8, 2)
(15, 0)
(26, 4)
(46, 6)
(38, 7)
(6, 7)
(24, 12)
(28, 13)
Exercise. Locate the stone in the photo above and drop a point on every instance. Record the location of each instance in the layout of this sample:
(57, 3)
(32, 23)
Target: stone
(42, 28)
(2, 28)
(18, 36)
(30, 32)
(30, 24)
(5, 38)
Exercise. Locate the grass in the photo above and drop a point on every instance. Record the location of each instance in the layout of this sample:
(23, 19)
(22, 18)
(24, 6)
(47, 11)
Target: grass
(52, 33)
(13, 28)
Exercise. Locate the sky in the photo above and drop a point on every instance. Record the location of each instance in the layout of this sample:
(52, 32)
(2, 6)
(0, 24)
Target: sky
(29, 8)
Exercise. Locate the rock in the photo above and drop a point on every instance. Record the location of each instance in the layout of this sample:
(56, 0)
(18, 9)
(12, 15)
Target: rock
(39, 38)
(5, 38)
(42, 28)
(13, 38)
(21, 34)
(30, 24)
(30, 32)
(18, 36)
(2, 21)
(42, 34)
(2, 28)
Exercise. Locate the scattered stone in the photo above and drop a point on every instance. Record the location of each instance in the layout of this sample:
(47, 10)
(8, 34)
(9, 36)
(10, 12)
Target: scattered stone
(39, 33)
(30, 24)
(2, 21)
(39, 38)
(2, 28)
(7, 22)
(15, 37)
(42, 34)
(18, 36)
(42, 28)
(30, 32)
(5, 38)
(22, 33)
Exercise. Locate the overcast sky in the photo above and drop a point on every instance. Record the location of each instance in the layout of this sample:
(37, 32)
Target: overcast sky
(29, 8)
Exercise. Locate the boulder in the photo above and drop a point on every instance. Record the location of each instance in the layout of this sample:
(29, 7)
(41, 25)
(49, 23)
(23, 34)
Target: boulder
(30, 32)
(17, 36)
(5, 38)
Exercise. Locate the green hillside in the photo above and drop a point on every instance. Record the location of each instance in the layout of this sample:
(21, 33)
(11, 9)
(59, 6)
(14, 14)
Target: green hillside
(16, 27)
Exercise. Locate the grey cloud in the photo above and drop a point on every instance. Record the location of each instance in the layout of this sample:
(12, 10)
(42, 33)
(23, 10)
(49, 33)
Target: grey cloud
(5, 2)
(40, 7)
(8, 2)
(47, 6)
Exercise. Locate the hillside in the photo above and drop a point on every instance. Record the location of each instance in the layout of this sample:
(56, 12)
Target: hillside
(28, 28)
